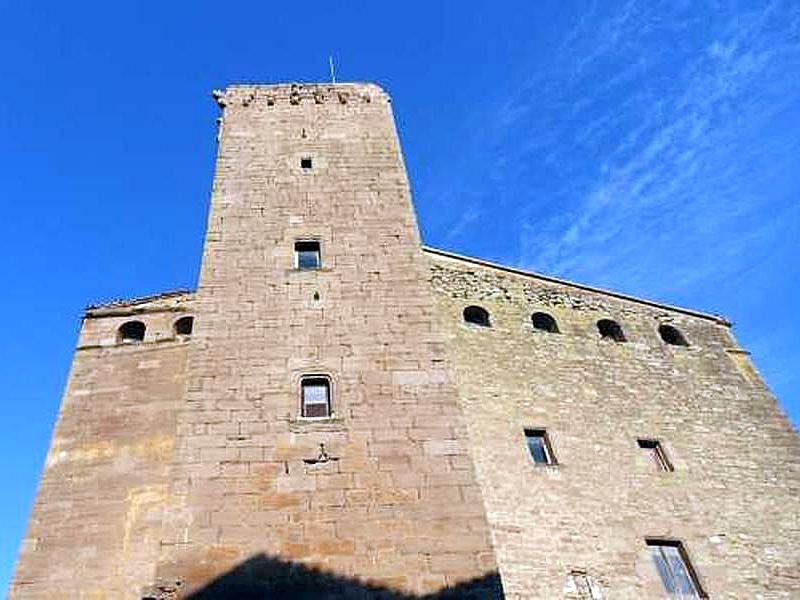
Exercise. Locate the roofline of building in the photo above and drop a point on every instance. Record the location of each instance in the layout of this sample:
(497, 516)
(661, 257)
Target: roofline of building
(104, 308)
(485, 263)
(309, 84)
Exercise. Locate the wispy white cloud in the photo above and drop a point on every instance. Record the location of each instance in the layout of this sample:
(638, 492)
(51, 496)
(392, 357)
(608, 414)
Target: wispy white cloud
(663, 159)
(465, 220)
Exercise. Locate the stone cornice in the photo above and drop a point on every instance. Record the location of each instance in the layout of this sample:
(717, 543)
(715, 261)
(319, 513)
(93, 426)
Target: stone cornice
(294, 94)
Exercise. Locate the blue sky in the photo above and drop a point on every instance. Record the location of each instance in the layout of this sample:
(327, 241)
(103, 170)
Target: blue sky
(649, 147)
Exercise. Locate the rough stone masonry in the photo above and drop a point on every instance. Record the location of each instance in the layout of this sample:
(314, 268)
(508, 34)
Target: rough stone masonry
(184, 465)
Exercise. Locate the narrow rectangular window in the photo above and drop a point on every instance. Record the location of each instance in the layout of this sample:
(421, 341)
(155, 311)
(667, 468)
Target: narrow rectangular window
(316, 397)
(656, 453)
(539, 447)
(676, 572)
(307, 255)
(580, 585)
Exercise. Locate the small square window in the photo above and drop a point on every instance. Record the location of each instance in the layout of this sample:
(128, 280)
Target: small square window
(305, 163)
(657, 455)
(316, 397)
(307, 255)
(676, 572)
(539, 447)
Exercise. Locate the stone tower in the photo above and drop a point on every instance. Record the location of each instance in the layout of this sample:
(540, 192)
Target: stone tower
(340, 412)
(396, 501)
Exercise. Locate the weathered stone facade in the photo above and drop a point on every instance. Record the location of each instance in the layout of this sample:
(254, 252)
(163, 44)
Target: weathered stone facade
(733, 496)
(94, 530)
(181, 465)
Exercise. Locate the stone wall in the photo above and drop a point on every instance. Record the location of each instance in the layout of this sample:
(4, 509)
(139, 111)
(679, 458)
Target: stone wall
(396, 505)
(96, 526)
(733, 498)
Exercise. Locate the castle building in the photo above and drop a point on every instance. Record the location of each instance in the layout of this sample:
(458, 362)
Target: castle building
(341, 412)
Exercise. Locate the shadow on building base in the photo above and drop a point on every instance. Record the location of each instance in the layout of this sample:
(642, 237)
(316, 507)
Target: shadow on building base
(266, 578)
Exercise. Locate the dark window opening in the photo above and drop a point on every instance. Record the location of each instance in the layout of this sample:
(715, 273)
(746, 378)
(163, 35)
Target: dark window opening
(610, 330)
(183, 326)
(305, 163)
(539, 447)
(544, 322)
(132, 331)
(657, 454)
(315, 396)
(307, 255)
(676, 571)
(672, 336)
(477, 316)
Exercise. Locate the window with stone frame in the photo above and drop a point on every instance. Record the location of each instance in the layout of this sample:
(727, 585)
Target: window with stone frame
(656, 453)
(315, 397)
(581, 586)
(307, 255)
(539, 447)
(675, 569)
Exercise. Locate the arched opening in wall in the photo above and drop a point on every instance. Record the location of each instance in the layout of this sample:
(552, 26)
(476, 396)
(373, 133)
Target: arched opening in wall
(544, 322)
(131, 332)
(672, 336)
(476, 315)
(184, 325)
(610, 330)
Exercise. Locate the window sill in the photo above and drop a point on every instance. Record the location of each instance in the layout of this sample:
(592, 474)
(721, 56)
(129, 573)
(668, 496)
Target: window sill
(320, 270)
(550, 470)
(303, 424)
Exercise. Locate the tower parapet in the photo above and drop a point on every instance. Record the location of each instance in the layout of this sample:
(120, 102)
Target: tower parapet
(295, 94)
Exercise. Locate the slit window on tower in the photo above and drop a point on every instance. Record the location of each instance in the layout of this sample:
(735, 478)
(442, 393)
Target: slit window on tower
(307, 255)
(610, 330)
(676, 571)
(315, 392)
(672, 336)
(305, 163)
(544, 322)
(656, 453)
(539, 447)
(477, 316)
(131, 332)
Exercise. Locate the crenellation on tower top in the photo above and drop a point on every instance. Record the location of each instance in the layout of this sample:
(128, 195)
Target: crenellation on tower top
(295, 94)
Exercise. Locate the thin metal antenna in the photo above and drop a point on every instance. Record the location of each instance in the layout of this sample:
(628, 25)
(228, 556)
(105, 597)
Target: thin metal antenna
(333, 70)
